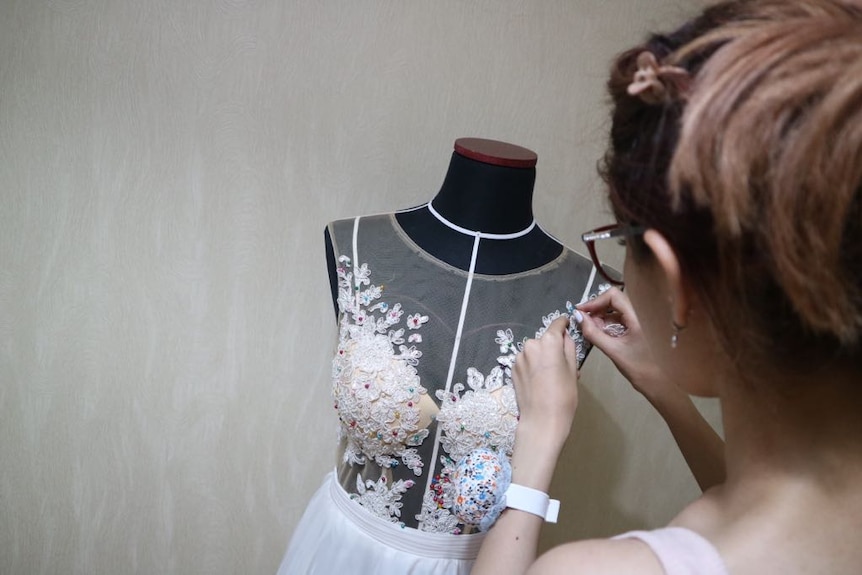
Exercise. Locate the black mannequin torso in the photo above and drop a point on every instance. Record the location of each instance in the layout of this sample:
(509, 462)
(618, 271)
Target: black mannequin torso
(488, 188)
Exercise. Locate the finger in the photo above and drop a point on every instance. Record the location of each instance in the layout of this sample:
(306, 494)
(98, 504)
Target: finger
(571, 355)
(615, 300)
(600, 302)
(521, 369)
(559, 327)
(592, 330)
(521, 366)
(612, 298)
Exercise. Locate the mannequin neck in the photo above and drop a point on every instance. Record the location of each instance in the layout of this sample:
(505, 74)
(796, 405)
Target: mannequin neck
(488, 189)
(474, 233)
(486, 198)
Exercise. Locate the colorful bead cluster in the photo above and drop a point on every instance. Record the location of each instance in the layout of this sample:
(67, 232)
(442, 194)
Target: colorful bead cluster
(439, 484)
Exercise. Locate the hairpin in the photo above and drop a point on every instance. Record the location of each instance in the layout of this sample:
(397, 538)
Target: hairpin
(655, 84)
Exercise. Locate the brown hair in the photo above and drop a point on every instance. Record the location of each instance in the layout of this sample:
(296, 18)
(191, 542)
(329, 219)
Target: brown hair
(755, 177)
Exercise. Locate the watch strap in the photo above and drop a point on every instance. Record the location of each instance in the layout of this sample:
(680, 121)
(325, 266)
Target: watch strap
(532, 501)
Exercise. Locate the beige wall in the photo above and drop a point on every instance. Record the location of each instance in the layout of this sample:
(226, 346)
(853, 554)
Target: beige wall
(166, 170)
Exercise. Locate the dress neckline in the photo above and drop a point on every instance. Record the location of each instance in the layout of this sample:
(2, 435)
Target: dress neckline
(481, 235)
(416, 248)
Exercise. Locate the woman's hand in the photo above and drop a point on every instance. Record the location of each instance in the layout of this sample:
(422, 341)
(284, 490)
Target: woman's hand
(545, 376)
(700, 445)
(629, 351)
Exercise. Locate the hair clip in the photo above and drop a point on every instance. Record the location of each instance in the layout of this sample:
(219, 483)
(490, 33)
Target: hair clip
(655, 84)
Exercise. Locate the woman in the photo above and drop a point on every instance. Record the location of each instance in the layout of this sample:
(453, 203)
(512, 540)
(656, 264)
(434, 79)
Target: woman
(735, 174)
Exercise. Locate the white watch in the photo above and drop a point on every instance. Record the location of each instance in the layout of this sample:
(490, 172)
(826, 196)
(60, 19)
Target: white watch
(532, 501)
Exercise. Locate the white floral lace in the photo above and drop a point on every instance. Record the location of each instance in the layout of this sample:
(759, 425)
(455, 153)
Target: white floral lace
(377, 393)
(435, 518)
(379, 498)
(376, 388)
(484, 416)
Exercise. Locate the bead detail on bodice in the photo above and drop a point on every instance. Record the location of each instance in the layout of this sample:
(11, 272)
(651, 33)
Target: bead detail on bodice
(374, 380)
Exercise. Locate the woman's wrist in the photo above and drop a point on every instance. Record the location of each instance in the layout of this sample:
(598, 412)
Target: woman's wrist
(656, 387)
(534, 457)
(667, 397)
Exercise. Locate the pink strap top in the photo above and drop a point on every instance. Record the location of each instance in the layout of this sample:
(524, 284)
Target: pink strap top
(681, 551)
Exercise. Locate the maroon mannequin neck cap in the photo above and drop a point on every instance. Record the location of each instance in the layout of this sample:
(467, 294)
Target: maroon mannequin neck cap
(496, 153)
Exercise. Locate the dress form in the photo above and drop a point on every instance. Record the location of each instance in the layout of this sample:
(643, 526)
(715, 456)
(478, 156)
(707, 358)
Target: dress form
(433, 304)
(488, 188)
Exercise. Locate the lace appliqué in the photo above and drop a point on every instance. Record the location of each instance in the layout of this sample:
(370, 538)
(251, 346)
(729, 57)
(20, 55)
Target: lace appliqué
(582, 346)
(375, 384)
(486, 415)
(435, 516)
(482, 415)
(382, 500)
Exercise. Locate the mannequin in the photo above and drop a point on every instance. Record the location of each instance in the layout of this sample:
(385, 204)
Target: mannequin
(433, 305)
(488, 188)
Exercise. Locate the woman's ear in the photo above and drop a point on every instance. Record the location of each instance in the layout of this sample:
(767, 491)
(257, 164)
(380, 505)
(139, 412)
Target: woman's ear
(679, 292)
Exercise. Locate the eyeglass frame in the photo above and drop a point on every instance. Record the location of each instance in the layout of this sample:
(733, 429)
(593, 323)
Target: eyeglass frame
(606, 233)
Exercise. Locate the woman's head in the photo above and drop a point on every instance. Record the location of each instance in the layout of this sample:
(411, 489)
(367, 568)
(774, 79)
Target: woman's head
(752, 171)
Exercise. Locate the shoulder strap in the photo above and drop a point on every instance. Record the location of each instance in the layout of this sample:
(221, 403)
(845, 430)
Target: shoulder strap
(681, 551)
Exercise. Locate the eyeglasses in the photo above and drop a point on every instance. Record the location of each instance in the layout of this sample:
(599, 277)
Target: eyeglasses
(608, 256)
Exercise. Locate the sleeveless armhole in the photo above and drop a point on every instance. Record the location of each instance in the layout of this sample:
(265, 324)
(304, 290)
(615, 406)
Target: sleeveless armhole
(336, 248)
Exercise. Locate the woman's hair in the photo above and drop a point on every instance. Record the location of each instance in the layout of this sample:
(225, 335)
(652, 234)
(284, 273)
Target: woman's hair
(754, 173)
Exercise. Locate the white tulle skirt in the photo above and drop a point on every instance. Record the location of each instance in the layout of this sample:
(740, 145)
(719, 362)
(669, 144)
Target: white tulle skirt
(337, 536)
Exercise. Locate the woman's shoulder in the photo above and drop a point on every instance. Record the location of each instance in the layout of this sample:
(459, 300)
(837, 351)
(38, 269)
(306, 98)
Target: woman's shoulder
(600, 557)
(667, 551)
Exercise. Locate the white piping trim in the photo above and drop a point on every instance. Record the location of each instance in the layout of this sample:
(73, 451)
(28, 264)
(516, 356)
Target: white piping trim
(406, 210)
(355, 262)
(482, 235)
(589, 285)
(453, 360)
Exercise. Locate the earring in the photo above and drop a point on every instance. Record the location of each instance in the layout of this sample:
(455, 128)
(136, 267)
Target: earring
(674, 338)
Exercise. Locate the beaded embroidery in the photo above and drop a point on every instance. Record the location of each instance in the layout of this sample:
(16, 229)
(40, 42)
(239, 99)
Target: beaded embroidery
(376, 388)
(435, 516)
(377, 393)
(481, 420)
(486, 415)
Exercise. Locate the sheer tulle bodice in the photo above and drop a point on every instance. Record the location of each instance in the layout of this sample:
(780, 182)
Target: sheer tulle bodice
(421, 374)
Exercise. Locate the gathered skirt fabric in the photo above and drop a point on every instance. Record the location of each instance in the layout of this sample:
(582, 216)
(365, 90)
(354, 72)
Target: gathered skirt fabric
(337, 536)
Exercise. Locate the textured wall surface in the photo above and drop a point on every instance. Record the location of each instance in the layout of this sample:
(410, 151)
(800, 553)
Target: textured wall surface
(166, 171)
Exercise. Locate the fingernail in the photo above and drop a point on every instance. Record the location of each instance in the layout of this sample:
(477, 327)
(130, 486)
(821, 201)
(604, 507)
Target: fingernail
(579, 317)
